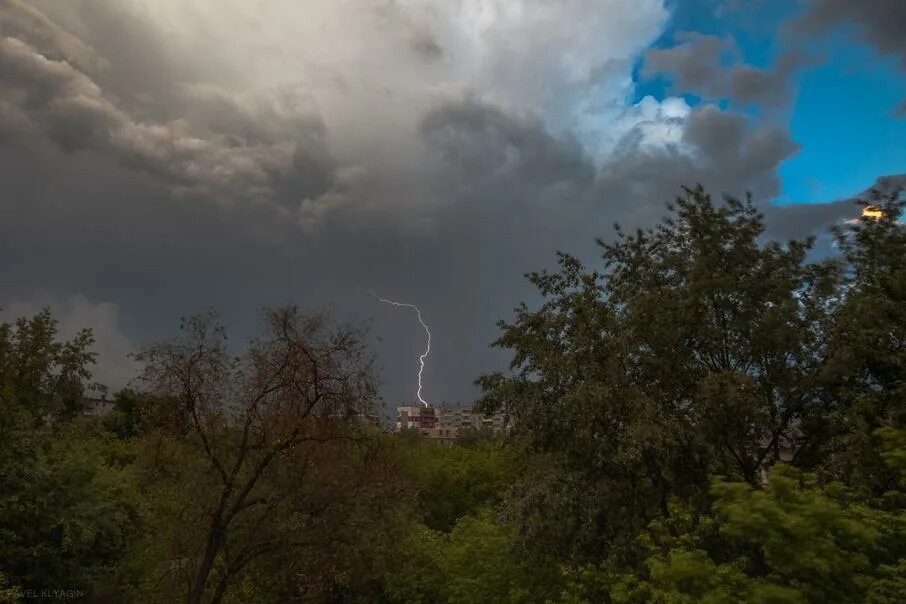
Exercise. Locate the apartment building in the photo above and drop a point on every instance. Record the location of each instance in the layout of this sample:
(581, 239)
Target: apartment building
(448, 421)
(416, 417)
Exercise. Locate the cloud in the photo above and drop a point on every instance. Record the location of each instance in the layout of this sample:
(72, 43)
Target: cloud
(880, 23)
(486, 145)
(165, 156)
(889, 184)
(54, 99)
(695, 62)
(799, 221)
(350, 190)
(720, 149)
(20, 20)
(277, 113)
(701, 64)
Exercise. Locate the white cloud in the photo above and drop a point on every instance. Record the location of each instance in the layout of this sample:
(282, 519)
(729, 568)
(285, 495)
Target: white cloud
(539, 55)
(654, 124)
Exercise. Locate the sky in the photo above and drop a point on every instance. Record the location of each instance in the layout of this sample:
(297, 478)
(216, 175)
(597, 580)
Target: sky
(160, 157)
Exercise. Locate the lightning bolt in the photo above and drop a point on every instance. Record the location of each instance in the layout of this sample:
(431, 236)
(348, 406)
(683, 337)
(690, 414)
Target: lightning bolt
(424, 355)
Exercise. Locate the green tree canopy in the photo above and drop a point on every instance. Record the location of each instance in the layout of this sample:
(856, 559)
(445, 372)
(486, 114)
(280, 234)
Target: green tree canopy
(866, 373)
(66, 513)
(695, 350)
(41, 373)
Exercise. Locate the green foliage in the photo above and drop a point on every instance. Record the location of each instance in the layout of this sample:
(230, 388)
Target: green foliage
(66, 516)
(697, 350)
(46, 376)
(813, 539)
(172, 507)
(66, 511)
(445, 540)
(479, 565)
(454, 481)
(126, 419)
(893, 449)
(791, 541)
(416, 577)
(889, 586)
(866, 372)
(473, 563)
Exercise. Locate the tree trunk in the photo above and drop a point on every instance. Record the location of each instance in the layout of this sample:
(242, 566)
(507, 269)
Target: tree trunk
(221, 590)
(196, 595)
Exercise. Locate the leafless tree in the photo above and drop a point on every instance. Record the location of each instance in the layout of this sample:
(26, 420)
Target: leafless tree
(283, 432)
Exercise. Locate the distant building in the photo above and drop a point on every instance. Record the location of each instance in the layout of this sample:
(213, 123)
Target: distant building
(97, 406)
(448, 422)
(463, 417)
(458, 417)
(416, 417)
(785, 450)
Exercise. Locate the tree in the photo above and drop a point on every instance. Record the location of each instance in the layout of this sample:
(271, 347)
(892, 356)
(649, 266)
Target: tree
(696, 350)
(66, 514)
(793, 541)
(456, 481)
(480, 564)
(286, 448)
(475, 562)
(40, 373)
(866, 372)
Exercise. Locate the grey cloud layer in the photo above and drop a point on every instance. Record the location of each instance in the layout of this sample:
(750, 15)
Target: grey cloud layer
(251, 162)
(697, 64)
(486, 146)
(224, 147)
(881, 23)
(726, 153)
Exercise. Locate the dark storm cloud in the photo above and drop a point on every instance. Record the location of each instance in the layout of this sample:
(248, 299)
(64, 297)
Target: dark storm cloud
(700, 64)
(522, 172)
(881, 23)
(888, 184)
(20, 20)
(800, 221)
(143, 70)
(694, 63)
(515, 165)
(459, 202)
(725, 153)
(485, 145)
(233, 149)
(488, 149)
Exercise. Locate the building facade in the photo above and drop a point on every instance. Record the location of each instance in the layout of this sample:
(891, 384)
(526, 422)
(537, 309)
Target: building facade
(448, 422)
(417, 417)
